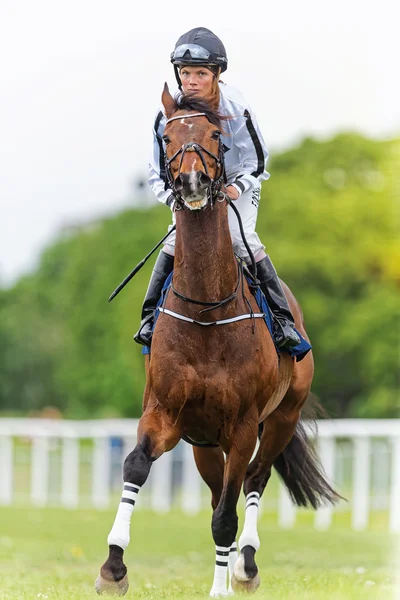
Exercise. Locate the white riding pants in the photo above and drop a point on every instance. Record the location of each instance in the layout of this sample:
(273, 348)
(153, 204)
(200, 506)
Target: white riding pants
(247, 205)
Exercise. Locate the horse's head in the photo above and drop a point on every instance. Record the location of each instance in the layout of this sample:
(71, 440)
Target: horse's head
(194, 157)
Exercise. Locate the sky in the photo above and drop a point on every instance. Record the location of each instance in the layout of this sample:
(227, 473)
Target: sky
(81, 82)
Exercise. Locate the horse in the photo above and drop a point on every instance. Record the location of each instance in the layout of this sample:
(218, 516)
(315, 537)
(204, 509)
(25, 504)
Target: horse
(220, 386)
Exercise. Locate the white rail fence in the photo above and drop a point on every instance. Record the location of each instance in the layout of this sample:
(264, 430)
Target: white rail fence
(79, 464)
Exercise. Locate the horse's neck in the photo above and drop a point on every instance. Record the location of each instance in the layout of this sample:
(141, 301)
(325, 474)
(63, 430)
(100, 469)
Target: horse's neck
(205, 267)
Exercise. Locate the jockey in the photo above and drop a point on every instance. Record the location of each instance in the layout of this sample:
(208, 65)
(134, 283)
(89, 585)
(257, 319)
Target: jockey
(199, 58)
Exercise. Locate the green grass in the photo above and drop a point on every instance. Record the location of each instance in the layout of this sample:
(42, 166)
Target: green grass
(56, 554)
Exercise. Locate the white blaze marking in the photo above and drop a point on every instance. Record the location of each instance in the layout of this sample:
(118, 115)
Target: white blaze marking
(192, 177)
(190, 125)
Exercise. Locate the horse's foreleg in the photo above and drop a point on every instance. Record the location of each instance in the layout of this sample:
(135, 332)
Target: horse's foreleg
(224, 520)
(210, 463)
(156, 435)
(277, 432)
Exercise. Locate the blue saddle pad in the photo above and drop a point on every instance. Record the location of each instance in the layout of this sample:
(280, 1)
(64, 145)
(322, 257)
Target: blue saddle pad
(298, 351)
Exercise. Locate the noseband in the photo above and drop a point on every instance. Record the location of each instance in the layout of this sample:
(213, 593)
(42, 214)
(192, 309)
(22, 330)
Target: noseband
(215, 184)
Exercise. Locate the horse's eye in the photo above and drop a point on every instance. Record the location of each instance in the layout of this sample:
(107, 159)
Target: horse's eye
(166, 140)
(216, 135)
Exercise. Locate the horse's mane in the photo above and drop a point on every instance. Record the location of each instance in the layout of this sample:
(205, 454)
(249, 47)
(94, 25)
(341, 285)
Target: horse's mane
(189, 102)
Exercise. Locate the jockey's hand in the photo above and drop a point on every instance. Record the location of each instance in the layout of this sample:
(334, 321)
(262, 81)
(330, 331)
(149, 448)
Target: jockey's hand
(231, 192)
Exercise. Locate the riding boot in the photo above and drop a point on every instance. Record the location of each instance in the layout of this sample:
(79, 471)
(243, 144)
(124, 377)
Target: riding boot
(284, 334)
(162, 268)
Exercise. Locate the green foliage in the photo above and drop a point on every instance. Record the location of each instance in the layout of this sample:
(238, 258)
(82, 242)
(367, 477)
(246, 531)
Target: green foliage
(331, 229)
(327, 217)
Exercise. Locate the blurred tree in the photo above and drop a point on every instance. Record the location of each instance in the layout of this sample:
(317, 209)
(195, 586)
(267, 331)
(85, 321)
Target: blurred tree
(327, 217)
(332, 231)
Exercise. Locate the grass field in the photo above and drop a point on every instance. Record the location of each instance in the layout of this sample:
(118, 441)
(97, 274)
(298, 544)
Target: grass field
(56, 554)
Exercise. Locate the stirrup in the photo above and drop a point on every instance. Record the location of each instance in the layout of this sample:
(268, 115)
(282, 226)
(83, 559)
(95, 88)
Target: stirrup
(285, 337)
(145, 340)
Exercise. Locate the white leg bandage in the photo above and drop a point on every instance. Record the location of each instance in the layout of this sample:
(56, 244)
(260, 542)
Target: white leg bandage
(249, 535)
(221, 571)
(119, 534)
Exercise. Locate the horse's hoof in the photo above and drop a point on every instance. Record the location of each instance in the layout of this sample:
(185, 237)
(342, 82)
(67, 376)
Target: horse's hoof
(110, 587)
(248, 586)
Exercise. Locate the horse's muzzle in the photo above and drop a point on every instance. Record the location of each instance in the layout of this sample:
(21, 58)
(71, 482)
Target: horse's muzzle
(192, 184)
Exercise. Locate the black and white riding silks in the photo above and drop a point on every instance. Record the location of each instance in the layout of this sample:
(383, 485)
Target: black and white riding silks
(246, 156)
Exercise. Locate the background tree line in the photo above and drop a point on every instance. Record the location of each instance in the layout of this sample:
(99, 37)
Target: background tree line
(328, 218)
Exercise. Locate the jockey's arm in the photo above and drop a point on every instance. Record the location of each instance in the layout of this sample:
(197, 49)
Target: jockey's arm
(232, 191)
(156, 165)
(253, 156)
(157, 184)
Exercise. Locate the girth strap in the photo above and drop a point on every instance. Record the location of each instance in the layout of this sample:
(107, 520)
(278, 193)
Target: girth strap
(221, 322)
(189, 440)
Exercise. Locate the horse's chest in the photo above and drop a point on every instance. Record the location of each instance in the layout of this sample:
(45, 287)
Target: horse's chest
(221, 388)
(206, 389)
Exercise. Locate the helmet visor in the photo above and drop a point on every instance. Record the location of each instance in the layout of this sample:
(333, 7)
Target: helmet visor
(190, 51)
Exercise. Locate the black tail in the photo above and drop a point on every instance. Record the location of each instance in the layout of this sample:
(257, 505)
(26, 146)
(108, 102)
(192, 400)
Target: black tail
(299, 466)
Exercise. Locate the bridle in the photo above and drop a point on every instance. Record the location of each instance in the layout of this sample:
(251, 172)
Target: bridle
(215, 184)
(215, 195)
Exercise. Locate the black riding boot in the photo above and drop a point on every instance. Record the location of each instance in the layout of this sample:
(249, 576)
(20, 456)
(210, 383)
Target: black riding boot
(162, 268)
(284, 334)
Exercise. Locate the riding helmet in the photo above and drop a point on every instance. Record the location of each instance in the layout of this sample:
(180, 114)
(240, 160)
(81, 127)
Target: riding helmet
(199, 46)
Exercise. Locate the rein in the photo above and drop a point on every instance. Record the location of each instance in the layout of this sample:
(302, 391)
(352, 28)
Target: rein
(211, 305)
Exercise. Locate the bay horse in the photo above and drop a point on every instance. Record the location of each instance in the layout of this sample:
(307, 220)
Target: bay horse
(222, 385)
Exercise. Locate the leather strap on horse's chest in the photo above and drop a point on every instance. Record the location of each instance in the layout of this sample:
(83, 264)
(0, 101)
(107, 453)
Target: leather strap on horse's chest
(221, 322)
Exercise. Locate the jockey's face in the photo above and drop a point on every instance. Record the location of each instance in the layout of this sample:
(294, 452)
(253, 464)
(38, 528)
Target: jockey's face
(196, 80)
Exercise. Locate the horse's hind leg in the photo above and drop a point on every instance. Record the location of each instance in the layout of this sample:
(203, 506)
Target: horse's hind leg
(156, 435)
(277, 432)
(210, 463)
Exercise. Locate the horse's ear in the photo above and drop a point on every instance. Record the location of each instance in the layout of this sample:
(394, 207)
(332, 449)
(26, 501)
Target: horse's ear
(168, 101)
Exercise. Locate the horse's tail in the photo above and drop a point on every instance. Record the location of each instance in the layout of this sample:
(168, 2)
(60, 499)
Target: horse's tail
(301, 471)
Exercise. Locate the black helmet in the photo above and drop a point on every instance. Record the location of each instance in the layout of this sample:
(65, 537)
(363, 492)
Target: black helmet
(199, 46)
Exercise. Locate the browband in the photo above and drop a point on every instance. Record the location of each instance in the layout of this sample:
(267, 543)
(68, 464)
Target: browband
(186, 116)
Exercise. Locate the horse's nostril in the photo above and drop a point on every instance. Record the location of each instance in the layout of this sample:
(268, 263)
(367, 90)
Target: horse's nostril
(179, 183)
(203, 178)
